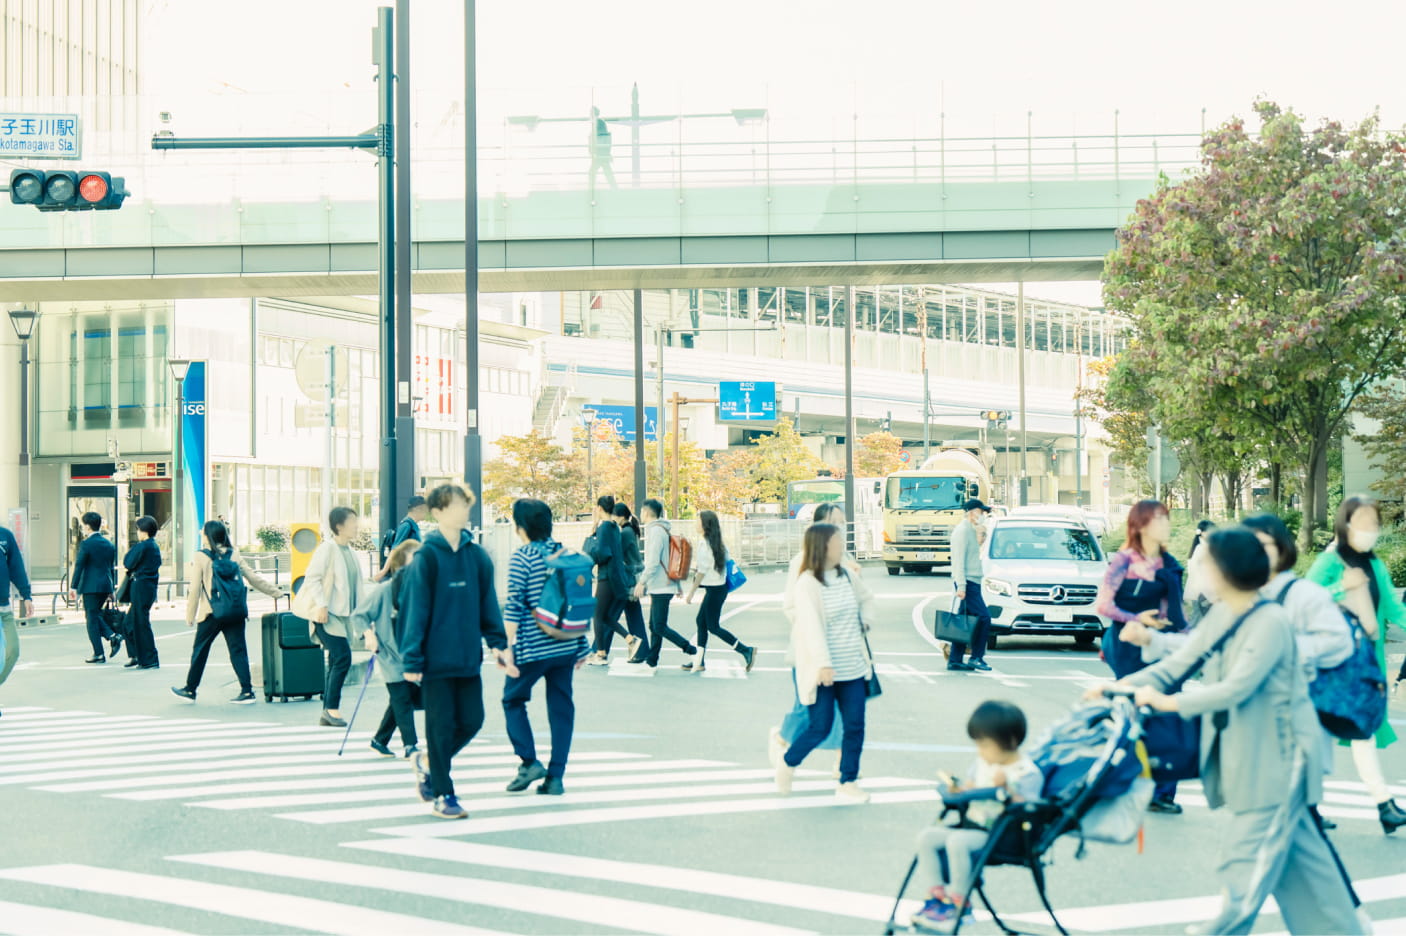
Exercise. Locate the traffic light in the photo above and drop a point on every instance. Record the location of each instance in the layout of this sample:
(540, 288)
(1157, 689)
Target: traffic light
(886, 425)
(66, 190)
(996, 419)
(304, 539)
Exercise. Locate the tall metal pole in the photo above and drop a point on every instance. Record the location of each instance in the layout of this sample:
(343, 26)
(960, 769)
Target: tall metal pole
(1020, 372)
(927, 416)
(473, 443)
(385, 165)
(1078, 456)
(659, 392)
(405, 474)
(635, 136)
(329, 463)
(641, 474)
(674, 487)
(178, 500)
(24, 443)
(850, 511)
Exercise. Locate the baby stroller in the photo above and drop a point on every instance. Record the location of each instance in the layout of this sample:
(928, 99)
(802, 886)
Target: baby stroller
(1097, 787)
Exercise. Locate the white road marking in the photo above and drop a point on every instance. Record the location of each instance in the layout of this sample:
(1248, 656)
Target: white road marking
(156, 761)
(269, 741)
(245, 903)
(594, 909)
(24, 920)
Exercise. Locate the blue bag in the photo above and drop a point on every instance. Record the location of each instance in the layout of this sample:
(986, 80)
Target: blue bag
(735, 576)
(567, 606)
(1351, 697)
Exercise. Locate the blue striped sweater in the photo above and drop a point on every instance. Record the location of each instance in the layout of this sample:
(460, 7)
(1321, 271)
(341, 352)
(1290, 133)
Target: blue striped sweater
(527, 576)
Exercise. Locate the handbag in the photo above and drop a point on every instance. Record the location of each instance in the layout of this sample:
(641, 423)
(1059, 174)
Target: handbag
(1173, 743)
(955, 626)
(115, 618)
(872, 688)
(736, 578)
(124, 591)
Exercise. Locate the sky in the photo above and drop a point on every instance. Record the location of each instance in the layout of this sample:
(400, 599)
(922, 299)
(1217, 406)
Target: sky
(988, 66)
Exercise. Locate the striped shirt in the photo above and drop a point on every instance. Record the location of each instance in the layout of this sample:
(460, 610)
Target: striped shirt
(527, 576)
(843, 633)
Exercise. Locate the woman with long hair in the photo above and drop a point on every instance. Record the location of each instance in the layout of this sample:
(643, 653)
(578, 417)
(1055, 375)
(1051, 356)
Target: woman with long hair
(828, 608)
(710, 572)
(1143, 584)
(631, 545)
(200, 615)
(1360, 582)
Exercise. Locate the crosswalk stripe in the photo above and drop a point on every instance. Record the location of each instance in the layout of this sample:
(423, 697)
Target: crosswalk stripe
(264, 906)
(577, 907)
(1360, 787)
(1168, 913)
(1332, 812)
(155, 761)
(27, 708)
(77, 726)
(809, 897)
(659, 772)
(556, 804)
(192, 730)
(46, 715)
(25, 920)
(631, 813)
(262, 737)
(307, 765)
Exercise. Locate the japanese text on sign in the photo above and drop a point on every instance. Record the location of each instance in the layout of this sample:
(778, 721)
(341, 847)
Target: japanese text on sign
(39, 136)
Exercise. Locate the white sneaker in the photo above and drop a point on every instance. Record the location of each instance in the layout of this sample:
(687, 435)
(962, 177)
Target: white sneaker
(631, 645)
(776, 748)
(784, 775)
(598, 659)
(851, 793)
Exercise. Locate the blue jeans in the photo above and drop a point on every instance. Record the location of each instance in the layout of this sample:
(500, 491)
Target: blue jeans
(561, 710)
(976, 607)
(798, 719)
(849, 696)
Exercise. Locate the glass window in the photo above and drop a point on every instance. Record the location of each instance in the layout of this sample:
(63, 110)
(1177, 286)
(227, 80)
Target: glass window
(97, 371)
(794, 302)
(1014, 541)
(930, 493)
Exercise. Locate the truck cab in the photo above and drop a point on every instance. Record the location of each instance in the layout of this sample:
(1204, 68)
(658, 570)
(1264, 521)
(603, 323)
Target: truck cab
(922, 505)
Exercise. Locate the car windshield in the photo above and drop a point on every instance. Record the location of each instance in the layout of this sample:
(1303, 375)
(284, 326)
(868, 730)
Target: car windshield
(1012, 541)
(926, 493)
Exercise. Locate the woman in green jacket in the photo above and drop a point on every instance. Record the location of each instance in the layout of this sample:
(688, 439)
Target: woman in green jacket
(1360, 583)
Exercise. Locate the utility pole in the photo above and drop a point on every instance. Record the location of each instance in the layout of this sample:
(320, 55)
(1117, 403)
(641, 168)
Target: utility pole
(473, 442)
(675, 402)
(659, 393)
(849, 418)
(1020, 372)
(406, 480)
(641, 474)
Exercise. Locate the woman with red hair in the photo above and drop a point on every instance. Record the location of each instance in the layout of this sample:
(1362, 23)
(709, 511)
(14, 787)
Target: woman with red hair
(1143, 584)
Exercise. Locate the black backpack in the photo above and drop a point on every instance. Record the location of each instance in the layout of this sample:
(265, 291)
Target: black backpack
(387, 542)
(228, 595)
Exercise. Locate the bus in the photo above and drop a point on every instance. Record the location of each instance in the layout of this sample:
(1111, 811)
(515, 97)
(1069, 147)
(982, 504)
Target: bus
(802, 497)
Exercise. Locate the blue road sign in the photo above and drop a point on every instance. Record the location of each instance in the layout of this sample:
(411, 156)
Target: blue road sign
(622, 418)
(747, 401)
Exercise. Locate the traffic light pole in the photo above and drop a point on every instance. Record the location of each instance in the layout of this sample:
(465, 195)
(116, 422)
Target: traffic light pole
(641, 474)
(381, 141)
(473, 443)
(406, 477)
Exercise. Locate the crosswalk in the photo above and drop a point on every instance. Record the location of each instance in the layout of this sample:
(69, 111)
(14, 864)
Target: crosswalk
(362, 856)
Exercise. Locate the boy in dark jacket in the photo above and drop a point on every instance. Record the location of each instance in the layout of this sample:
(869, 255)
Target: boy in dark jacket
(451, 608)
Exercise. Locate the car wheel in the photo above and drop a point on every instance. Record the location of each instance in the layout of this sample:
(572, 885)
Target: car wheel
(1086, 640)
(894, 570)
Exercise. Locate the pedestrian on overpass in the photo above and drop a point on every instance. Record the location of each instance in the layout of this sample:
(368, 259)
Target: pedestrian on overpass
(92, 578)
(655, 582)
(966, 579)
(1144, 584)
(796, 720)
(451, 611)
(12, 576)
(143, 565)
(710, 572)
(612, 577)
(829, 609)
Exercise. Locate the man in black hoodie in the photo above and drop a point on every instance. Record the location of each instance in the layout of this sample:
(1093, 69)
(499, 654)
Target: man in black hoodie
(612, 578)
(451, 609)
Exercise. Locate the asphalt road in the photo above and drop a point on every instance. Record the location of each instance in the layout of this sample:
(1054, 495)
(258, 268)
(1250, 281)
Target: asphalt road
(127, 812)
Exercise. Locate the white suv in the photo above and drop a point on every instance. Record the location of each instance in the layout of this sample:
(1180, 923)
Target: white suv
(1041, 576)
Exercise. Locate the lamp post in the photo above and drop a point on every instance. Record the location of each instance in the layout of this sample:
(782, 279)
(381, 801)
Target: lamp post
(179, 368)
(590, 416)
(24, 320)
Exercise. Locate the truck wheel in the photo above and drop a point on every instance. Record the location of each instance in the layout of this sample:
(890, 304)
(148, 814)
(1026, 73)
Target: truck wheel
(894, 570)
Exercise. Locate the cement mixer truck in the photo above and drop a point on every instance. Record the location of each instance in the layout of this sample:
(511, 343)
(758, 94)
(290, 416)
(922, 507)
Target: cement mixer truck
(922, 505)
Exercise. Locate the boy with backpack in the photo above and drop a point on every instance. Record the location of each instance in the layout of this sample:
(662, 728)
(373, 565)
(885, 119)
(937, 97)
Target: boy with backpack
(668, 560)
(218, 604)
(998, 728)
(451, 610)
(548, 615)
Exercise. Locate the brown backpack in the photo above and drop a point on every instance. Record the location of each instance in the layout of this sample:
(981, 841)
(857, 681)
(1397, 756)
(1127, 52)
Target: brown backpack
(680, 558)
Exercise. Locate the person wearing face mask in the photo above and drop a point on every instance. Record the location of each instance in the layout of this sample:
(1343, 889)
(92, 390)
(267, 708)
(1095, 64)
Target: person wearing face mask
(966, 581)
(1359, 581)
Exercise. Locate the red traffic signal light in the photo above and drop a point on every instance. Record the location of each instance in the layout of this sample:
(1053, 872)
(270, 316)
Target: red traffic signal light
(65, 190)
(93, 188)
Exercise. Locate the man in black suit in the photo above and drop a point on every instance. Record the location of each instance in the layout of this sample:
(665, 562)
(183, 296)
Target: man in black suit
(92, 578)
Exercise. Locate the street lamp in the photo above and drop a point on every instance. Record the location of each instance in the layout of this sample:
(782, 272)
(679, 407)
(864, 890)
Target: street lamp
(24, 321)
(179, 368)
(590, 416)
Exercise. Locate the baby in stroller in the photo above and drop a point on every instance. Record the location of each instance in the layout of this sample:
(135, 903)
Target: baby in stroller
(944, 852)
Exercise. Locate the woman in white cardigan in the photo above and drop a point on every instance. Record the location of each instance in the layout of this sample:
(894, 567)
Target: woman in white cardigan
(828, 608)
(329, 594)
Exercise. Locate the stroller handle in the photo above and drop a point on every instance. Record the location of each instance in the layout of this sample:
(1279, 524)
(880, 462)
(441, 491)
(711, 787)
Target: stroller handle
(1118, 692)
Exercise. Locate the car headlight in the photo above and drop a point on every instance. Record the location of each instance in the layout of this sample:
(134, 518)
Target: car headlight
(998, 587)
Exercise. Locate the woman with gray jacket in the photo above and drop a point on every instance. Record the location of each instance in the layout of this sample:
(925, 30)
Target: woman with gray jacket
(379, 618)
(1261, 748)
(330, 592)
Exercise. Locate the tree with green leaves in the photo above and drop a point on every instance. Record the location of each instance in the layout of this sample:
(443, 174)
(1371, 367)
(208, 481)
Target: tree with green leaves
(781, 457)
(1386, 406)
(877, 454)
(1266, 288)
(530, 466)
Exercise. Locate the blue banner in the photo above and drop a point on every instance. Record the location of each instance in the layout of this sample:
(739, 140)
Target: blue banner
(622, 420)
(194, 455)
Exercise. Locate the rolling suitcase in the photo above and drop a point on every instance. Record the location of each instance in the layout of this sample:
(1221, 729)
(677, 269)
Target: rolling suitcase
(293, 663)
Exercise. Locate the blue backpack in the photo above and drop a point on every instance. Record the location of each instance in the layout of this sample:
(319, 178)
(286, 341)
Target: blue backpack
(567, 605)
(1350, 697)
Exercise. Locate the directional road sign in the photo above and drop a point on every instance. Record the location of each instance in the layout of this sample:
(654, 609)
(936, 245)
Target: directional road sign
(747, 401)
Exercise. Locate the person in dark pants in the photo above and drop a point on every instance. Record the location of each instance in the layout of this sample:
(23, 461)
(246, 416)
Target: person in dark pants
(631, 545)
(12, 575)
(612, 578)
(92, 578)
(655, 581)
(537, 655)
(333, 589)
(451, 611)
(966, 580)
(710, 572)
(200, 615)
(379, 617)
(143, 565)
(1143, 583)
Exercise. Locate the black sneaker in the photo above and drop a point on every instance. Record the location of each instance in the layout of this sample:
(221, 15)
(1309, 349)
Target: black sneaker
(422, 776)
(412, 750)
(244, 698)
(981, 666)
(960, 668)
(184, 693)
(1165, 805)
(750, 655)
(551, 787)
(381, 749)
(130, 664)
(96, 659)
(527, 774)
